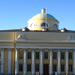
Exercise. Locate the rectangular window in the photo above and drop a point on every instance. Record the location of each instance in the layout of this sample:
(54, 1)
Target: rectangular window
(62, 68)
(29, 67)
(20, 55)
(37, 55)
(29, 55)
(54, 55)
(37, 67)
(62, 55)
(54, 67)
(70, 67)
(20, 67)
(70, 55)
(45, 55)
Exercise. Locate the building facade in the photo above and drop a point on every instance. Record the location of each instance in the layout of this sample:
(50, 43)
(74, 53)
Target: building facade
(40, 49)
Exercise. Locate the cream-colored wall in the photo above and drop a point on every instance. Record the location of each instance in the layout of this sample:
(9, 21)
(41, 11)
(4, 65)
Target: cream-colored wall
(5, 61)
(37, 61)
(49, 36)
(7, 35)
(13, 61)
(39, 21)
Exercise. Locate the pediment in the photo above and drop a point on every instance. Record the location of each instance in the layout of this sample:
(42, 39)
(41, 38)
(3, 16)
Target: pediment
(21, 37)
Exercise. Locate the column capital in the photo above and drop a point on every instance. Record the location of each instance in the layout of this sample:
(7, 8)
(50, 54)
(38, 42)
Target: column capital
(9, 49)
(33, 48)
(41, 48)
(25, 48)
(2, 48)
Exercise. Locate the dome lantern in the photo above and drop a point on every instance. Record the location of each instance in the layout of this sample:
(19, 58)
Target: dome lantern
(43, 10)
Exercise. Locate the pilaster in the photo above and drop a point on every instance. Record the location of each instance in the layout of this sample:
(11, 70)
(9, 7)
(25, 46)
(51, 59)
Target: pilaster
(25, 61)
(41, 61)
(33, 61)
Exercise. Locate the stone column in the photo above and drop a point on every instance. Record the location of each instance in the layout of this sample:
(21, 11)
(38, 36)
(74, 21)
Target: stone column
(9, 61)
(67, 62)
(33, 62)
(16, 61)
(41, 62)
(74, 63)
(25, 61)
(2, 60)
(59, 62)
(50, 65)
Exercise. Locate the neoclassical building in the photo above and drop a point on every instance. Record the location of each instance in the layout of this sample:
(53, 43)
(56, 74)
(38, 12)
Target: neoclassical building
(40, 49)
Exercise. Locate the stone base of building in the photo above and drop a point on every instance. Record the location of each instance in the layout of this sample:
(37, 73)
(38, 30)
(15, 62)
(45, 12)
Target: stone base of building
(59, 74)
(16, 74)
(50, 74)
(41, 74)
(9, 73)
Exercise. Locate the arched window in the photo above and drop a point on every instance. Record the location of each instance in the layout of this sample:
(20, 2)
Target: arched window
(55, 26)
(33, 25)
(44, 25)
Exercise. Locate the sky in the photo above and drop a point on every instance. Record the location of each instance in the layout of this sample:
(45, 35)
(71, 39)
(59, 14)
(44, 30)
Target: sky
(14, 14)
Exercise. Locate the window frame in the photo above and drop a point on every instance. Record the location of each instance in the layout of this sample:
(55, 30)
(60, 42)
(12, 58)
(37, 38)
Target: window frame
(37, 69)
(37, 55)
(20, 57)
(55, 55)
(47, 24)
(45, 55)
(70, 55)
(70, 67)
(29, 55)
(29, 67)
(54, 67)
(54, 26)
(21, 67)
(62, 67)
(62, 55)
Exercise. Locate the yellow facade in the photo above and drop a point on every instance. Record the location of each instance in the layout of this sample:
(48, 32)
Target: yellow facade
(38, 38)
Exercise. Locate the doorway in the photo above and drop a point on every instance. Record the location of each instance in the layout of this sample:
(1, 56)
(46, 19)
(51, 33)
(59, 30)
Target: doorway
(46, 69)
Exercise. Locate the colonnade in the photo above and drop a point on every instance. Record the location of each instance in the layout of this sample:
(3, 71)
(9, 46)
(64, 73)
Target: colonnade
(33, 61)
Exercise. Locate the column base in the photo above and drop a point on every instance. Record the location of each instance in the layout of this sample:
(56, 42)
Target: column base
(50, 74)
(16, 74)
(67, 74)
(1, 73)
(9, 73)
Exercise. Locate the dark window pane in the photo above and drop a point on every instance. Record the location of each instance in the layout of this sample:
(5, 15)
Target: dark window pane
(54, 55)
(62, 68)
(20, 67)
(29, 55)
(37, 55)
(44, 25)
(70, 55)
(62, 55)
(37, 67)
(45, 55)
(70, 67)
(29, 67)
(54, 67)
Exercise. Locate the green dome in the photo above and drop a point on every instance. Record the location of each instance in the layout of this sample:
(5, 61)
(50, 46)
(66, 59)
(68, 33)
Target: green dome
(43, 15)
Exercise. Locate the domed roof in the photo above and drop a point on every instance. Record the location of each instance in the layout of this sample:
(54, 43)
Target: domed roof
(43, 14)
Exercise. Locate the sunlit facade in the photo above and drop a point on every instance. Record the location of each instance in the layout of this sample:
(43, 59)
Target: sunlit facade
(40, 49)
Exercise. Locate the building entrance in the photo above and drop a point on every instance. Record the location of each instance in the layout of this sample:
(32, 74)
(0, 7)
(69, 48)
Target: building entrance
(46, 69)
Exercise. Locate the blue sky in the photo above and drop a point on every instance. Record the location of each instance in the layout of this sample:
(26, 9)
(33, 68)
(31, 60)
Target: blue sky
(14, 14)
